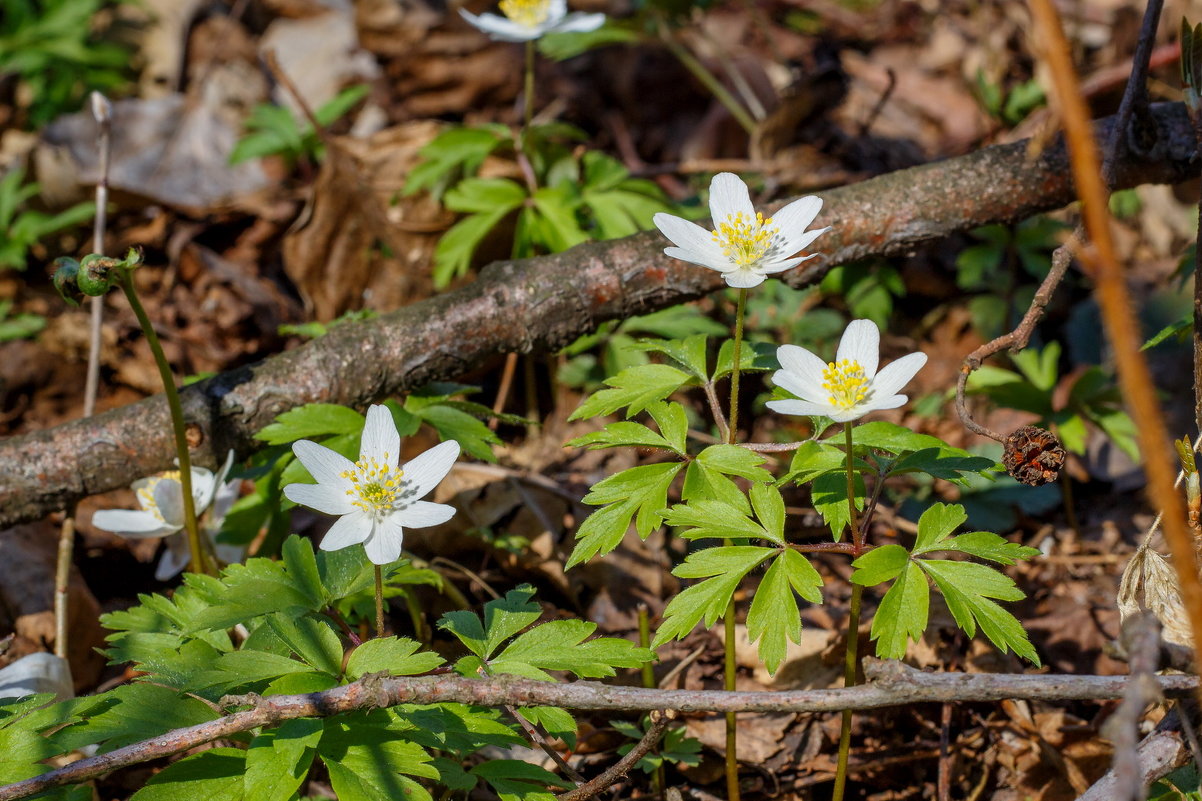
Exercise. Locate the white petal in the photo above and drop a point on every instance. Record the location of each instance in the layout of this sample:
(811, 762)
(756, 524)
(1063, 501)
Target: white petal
(771, 267)
(216, 485)
(896, 375)
(350, 529)
(500, 28)
(423, 473)
(174, 559)
(803, 364)
(380, 439)
(222, 501)
(325, 465)
(689, 236)
(886, 402)
(793, 245)
(721, 264)
(800, 407)
(794, 218)
(202, 488)
(229, 554)
(169, 498)
(384, 546)
(579, 23)
(422, 514)
(322, 497)
(861, 343)
(129, 523)
(743, 279)
(729, 196)
(847, 415)
(814, 393)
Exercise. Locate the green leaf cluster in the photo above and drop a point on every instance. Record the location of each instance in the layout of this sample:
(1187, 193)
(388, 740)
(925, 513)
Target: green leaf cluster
(970, 589)
(22, 228)
(274, 131)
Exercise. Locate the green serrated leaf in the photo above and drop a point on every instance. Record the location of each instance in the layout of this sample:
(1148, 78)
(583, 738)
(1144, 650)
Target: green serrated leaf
(562, 645)
(311, 420)
(640, 493)
(829, 497)
(937, 524)
(968, 587)
(634, 388)
(278, 760)
(397, 656)
(673, 424)
(723, 568)
(902, 615)
(622, 434)
(213, 775)
(502, 619)
(773, 618)
(313, 640)
(702, 482)
(879, 565)
(733, 460)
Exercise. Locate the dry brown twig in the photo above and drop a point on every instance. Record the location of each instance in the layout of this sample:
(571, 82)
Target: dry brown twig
(889, 683)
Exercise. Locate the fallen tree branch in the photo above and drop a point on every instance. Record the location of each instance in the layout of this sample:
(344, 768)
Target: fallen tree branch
(659, 723)
(542, 303)
(890, 683)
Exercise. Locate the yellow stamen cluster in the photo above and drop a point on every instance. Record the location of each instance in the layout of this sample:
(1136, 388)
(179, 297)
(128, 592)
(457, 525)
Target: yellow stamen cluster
(745, 240)
(846, 382)
(375, 485)
(528, 13)
(146, 492)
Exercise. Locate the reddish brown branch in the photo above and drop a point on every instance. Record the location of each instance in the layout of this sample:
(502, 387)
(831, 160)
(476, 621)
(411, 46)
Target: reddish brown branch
(889, 684)
(659, 722)
(539, 304)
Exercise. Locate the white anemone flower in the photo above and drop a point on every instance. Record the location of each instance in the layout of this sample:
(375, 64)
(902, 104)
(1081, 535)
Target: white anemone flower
(162, 514)
(526, 20)
(744, 245)
(849, 387)
(373, 498)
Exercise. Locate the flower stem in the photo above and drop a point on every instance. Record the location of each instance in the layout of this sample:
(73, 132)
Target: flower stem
(853, 622)
(379, 601)
(707, 79)
(728, 620)
(658, 779)
(740, 311)
(198, 563)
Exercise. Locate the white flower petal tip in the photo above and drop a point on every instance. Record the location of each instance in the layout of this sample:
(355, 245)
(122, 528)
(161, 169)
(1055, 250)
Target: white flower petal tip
(526, 20)
(374, 498)
(744, 245)
(849, 387)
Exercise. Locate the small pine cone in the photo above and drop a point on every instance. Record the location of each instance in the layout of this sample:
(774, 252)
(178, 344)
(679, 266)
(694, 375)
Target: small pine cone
(1033, 456)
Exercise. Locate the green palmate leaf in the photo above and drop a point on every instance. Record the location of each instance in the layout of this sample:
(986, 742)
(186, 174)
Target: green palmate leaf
(753, 357)
(518, 781)
(940, 520)
(562, 645)
(396, 656)
(723, 568)
(555, 721)
(734, 460)
(372, 756)
(250, 590)
(634, 388)
(773, 617)
(722, 520)
(689, 353)
(814, 459)
(451, 423)
(902, 614)
(968, 587)
(640, 493)
(880, 565)
(939, 463)
(311, 420)
(214, 775)
(673, 424)
(314, 641)
(829, 497)
(936, 525)
(277, 761)
(131, 713)
(455, 150)
(502, 619)
(623, 433)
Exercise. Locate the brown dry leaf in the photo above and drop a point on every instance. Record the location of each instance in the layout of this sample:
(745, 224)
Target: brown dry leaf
(1150, 582)
(335, 257)
(761, 734)
(27, 602)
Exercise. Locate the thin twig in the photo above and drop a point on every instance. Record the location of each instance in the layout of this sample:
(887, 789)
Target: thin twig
(659, 723)
(102, 111)
(1141, 638)
(889, 684)
(537, 738)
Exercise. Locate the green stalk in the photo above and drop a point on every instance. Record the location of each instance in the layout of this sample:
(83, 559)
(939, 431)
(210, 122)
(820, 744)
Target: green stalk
(728, 620)
(198, 564)
(734, 375)
(707, 80)
(658, 779)
(379, 601)
(853, 623)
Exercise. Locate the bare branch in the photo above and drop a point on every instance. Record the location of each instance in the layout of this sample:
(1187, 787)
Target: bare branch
(538, 304)
(890, 683)
(659, 722)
